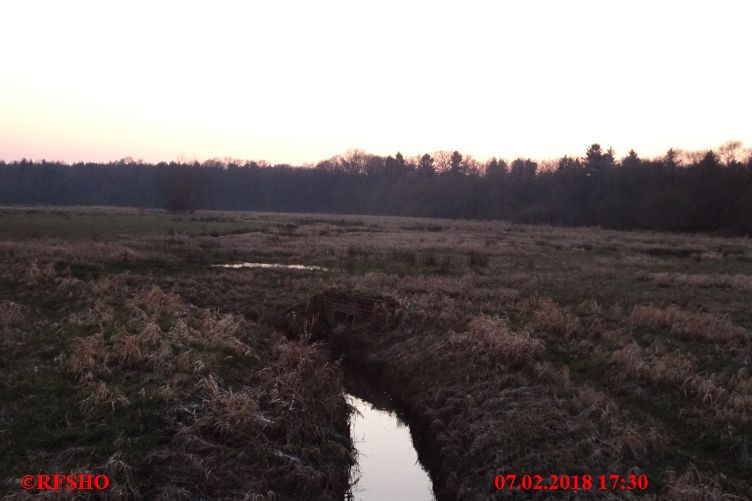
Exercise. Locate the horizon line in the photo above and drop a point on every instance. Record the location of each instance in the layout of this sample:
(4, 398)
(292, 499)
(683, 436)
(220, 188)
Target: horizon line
(736, 144)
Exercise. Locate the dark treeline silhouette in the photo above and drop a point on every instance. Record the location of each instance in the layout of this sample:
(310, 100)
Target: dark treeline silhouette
(710, 191)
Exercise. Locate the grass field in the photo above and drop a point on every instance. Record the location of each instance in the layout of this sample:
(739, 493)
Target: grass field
(508, 348)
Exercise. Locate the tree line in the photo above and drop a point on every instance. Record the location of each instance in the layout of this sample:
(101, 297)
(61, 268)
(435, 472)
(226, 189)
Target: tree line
(682, 191)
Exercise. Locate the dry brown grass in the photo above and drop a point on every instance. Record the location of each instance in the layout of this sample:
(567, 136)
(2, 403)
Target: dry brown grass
(101, 395)
(699, 326)
(88, 358)
(224, 330)
(549, 316)
(294, 403)
(77, 251)
(234, 415)
(628, 438)
(494, 337)
(260, 430)
(109, 284)
(99, 313)
(728, 398)
(737, 406)
(598, 405)
(670, 368)
(11, 314)
(738, 281)
(695, 485)
(157, 302)
(546, 371)
(36, 273)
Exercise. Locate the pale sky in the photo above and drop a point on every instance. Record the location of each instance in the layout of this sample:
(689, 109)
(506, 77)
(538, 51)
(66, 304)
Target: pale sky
(297, 82)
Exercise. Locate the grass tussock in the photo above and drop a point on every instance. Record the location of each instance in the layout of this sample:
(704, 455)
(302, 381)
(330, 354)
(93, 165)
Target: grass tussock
(35, 273)
(88, 359)
(494, 337)
(698, 326)
(549, 316)
(696, 485)
(627, 437)
(728, 398)
(280, 433)
(101, 395)
(670, 368)
(11, 314)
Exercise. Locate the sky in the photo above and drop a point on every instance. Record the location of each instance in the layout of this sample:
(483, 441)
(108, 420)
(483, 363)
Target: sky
(297, 82)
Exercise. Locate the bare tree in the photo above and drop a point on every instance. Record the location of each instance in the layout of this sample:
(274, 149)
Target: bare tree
(730, 152)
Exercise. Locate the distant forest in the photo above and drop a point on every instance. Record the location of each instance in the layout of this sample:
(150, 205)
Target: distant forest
(707, 191)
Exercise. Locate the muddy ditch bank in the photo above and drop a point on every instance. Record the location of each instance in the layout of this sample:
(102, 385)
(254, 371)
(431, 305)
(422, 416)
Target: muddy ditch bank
(347, 332)
(473, 412)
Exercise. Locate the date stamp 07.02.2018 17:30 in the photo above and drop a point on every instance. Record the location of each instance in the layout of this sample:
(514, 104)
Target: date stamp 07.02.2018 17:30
(535, 482)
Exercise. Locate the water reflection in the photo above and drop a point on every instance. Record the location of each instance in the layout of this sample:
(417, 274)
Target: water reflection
(388, 464)
(271, 265)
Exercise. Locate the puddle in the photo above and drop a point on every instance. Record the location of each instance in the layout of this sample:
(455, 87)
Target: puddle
(388, 466)
(278, 266)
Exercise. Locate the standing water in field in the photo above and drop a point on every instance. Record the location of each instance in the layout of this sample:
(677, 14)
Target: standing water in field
(271, 266)
(388, 466)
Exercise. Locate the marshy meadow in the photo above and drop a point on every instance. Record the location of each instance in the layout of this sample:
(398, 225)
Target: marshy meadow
(127, 349)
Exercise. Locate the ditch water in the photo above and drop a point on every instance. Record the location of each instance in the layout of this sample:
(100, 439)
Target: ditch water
(388, 466)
